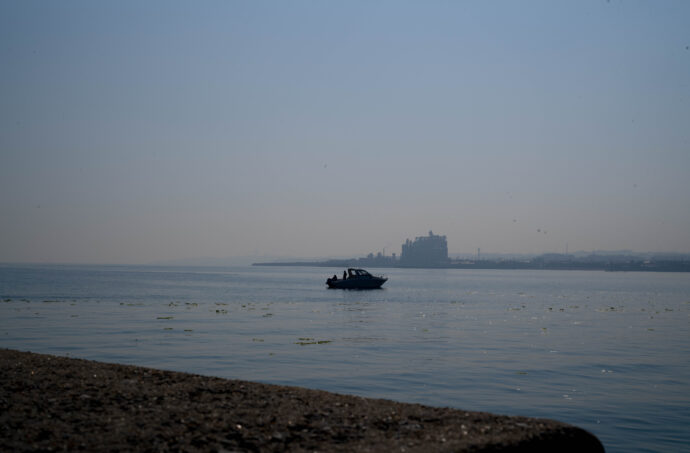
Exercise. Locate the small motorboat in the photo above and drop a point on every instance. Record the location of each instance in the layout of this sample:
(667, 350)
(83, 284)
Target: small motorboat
(356, 279)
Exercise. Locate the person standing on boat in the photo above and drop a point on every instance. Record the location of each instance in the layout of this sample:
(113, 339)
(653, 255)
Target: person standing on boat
(344, 275)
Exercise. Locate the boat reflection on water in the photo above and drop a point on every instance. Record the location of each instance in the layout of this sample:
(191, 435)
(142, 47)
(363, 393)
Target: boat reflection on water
(356, 279)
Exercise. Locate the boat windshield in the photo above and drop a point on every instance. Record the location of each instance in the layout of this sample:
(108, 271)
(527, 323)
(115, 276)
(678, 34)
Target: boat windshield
(360, 273)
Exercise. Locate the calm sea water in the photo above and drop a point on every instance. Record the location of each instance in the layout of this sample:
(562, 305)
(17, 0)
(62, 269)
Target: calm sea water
(609, 352)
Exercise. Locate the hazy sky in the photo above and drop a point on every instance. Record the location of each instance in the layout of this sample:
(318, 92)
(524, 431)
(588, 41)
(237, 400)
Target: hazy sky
(136, 132)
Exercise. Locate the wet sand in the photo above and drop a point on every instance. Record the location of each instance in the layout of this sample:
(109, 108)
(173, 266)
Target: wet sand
(50, 403)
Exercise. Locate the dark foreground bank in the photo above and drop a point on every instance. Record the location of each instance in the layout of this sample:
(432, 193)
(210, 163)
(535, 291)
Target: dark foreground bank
(54, 403)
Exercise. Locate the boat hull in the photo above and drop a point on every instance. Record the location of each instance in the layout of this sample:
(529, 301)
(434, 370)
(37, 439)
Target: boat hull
(357, 283)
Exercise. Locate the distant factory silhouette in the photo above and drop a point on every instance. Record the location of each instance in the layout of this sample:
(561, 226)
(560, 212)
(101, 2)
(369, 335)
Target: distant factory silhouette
(431, 251)
(425, 251)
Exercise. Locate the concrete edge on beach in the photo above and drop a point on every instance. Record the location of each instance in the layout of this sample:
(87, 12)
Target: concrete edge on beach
(51, 403)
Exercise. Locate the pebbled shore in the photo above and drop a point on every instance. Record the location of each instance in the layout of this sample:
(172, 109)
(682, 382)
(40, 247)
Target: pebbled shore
(50, 403)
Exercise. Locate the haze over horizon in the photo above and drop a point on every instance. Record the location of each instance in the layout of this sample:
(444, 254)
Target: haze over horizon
(139, 132)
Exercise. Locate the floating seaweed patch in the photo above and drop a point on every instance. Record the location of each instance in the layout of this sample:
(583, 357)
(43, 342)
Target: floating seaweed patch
(188, 330)
(173, 304)
(306, 341)
(167, 328)
(605, 309)
(191, 304)
(223, 303)
(267, 315)
(7, 300)
(258, 340)
(222, 312)
(165, 317)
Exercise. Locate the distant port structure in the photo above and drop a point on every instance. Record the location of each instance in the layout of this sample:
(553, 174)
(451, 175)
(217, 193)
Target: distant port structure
(431, 251)
(425, 251)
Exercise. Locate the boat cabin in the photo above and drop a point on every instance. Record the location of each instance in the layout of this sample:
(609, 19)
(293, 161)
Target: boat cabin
(354, 273)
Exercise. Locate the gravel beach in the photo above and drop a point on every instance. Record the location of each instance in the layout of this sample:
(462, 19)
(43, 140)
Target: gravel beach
(50, 403)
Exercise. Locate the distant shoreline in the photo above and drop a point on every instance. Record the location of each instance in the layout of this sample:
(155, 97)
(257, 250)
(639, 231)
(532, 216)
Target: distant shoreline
(631, 266)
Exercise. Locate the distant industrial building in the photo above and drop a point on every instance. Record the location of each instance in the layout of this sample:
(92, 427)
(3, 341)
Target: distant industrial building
(425, 251)
(432, 252)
